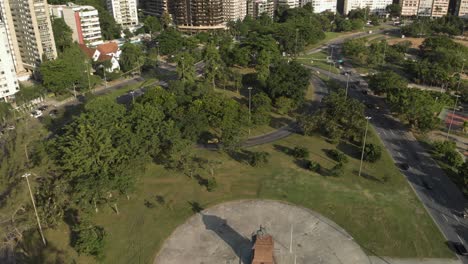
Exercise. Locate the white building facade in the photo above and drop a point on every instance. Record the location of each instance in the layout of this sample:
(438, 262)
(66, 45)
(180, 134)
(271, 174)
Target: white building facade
(234, 10)
(289, 3)
(324, 5)
(83, 20)
(9, 84)
(256, 8)
(124, 12)
(462, 9)
(375, 6)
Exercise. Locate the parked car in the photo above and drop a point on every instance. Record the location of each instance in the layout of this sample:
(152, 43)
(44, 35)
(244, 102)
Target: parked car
(44, 107)
(460, 248)
(36, 113)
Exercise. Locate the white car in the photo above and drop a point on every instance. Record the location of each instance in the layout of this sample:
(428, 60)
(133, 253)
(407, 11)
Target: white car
(36, 113)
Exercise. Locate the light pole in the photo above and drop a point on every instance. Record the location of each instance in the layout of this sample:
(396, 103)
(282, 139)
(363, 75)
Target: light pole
(453, 113)
(104, 71)
(133, 96)
(364, 144)
(250, 106)
(347, 83)
(26, 175)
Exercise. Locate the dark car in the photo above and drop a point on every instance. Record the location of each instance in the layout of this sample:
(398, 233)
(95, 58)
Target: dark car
(44, 107)
(427, 185)
(460, 248)
(404, 166)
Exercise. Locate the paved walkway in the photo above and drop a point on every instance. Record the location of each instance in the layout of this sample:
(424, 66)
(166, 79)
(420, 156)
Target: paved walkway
(223, 234)
(385, 260)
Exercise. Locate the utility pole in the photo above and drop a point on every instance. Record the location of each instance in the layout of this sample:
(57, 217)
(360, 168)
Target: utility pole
(347, 84)
(364, 144)
(26, 175)
(250, 106)
(453, 114)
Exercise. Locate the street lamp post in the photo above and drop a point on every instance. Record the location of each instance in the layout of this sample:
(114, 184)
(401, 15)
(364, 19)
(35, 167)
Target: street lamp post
(347, 84)
(26, 175)
(250, 106)
(453, 114)
(364, 144)
(105, 77)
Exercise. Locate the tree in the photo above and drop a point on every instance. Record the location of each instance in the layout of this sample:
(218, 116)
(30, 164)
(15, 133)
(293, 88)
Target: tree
(261, 108)
(284, 105)
(127, 34)
(383, 82)
(170, 41)
(290, 80)
(394, 10)
(62, 34)
(258, 158)
(151, 25)
(131, 58)
(463, 173)
(213, 63)
(89, 239)
(300, 153)
(372, 152)
(185, 67)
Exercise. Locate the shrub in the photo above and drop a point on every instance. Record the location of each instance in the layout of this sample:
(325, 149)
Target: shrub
(337, 156)
(446, 151)
(211, 184)
(259, 158)
(313, 166)
(372, 152)
(89, 239)
(300, 153)
(337, 170)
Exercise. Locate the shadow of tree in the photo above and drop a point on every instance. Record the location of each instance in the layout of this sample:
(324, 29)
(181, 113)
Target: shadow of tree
(196, 206)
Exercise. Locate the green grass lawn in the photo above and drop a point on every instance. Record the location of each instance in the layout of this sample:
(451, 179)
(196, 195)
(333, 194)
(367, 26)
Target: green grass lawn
(378, 209)
(318, 60)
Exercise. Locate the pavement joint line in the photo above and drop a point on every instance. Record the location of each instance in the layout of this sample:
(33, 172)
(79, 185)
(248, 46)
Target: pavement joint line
(443, 215)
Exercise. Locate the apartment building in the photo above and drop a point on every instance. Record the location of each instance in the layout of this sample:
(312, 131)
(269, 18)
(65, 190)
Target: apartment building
(124, 12)
(234, 10)
(197, 15)
(409, 7)
(324, 5)
(289, 3)
(375, 6)
(461, 9)
(257, 7)
(83, 20)
(30, 30)
(154, 7)
(427, 8)
(9, 84)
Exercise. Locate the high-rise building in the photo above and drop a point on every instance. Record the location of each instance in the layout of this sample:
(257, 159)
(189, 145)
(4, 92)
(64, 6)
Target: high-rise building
(9, 84)
(30, 30)
(462, 9)
(83, 20)
(289, 3)
(427, 8)
(257, 7)
(375, 6)
(124, 12)
(234, 10)
(197, 15)
(154, 7)
(409, 7)
(323, 5)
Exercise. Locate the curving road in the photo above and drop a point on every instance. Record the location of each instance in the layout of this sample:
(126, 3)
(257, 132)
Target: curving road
(439, 195)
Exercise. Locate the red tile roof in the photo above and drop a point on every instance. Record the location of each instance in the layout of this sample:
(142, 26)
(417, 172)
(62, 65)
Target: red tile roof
(88, 51)
(106, 48)
(263, 250)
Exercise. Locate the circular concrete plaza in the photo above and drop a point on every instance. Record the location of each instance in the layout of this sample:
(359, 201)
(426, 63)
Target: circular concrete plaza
(223, 235)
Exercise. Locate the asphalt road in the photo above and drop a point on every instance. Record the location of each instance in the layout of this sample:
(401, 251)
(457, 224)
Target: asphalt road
(440, 196)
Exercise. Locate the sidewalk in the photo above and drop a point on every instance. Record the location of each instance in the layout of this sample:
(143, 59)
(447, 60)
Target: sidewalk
(386, 260)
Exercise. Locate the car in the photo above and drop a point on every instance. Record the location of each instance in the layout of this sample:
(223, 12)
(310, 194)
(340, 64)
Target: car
(44, 107)
(365, 92)
(36, 113)
(53, 113)
(427, 185)
(404, 166)
(460, 248)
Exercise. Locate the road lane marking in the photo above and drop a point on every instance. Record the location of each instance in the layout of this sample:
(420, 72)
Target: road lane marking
(459, 238)
(393, 133)
(446, 220)
(383, 131)
(399, 154)
(456, 218)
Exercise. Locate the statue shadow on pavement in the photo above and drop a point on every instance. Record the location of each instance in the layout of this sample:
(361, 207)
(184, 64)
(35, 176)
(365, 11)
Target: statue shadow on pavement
(241, 245)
